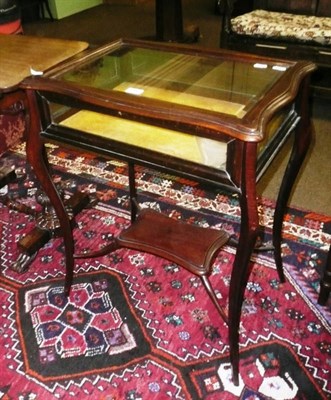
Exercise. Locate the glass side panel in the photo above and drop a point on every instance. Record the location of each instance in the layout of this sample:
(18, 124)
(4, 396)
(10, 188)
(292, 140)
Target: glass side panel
(181, 145)
(207, 83)
(176, 144)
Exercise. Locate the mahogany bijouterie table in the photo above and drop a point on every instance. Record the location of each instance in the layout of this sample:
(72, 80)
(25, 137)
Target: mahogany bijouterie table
(212, 115)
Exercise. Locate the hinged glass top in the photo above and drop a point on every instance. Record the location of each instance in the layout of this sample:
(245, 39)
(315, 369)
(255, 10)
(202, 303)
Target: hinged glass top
(200, 81)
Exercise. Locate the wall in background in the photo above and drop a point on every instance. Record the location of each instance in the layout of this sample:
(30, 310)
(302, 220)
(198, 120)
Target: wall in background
(64, 8)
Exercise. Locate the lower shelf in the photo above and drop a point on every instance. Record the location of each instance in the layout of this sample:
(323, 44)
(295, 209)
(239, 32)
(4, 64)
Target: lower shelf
(189, 246)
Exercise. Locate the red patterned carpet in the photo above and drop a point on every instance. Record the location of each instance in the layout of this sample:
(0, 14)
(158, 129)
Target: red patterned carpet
(140, 327)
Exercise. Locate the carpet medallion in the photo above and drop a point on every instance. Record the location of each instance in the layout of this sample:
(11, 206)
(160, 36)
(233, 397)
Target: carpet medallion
(140, 327)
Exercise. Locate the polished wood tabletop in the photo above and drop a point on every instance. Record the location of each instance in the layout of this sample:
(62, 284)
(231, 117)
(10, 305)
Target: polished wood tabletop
(22, 56)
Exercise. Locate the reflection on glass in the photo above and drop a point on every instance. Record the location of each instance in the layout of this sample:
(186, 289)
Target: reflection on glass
(207, 83)
(173, 143)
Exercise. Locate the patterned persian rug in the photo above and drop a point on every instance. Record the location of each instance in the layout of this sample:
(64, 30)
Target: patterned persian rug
(139, 327)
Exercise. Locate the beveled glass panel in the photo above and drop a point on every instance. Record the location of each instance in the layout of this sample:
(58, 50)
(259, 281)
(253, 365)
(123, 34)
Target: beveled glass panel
(204, 82)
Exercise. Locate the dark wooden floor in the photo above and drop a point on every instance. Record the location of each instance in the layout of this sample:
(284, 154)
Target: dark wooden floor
(106, 22)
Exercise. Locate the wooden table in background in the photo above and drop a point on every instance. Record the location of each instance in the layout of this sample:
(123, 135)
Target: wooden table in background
(19, 54)
(22, 56)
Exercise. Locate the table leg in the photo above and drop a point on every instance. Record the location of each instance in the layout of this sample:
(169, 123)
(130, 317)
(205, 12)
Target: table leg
(249, 230)
(36, 155)
(45, 3)
(325, 282)
(133, 192)
(169, 20)
(302, 140)
(169, 23)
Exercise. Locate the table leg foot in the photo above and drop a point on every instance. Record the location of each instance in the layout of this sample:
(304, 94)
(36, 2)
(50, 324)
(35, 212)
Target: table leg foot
(23, 262)
(239, 278)
(235, 374)
(30, 244)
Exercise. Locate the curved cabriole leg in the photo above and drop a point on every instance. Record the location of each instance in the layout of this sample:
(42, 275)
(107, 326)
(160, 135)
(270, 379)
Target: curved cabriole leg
(302, 140)
(238, 284)
(249, 230)
(37, 157)
(133, 192)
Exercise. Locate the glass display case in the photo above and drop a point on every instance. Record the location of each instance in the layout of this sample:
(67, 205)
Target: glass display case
(227, 88)
(212, 115)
